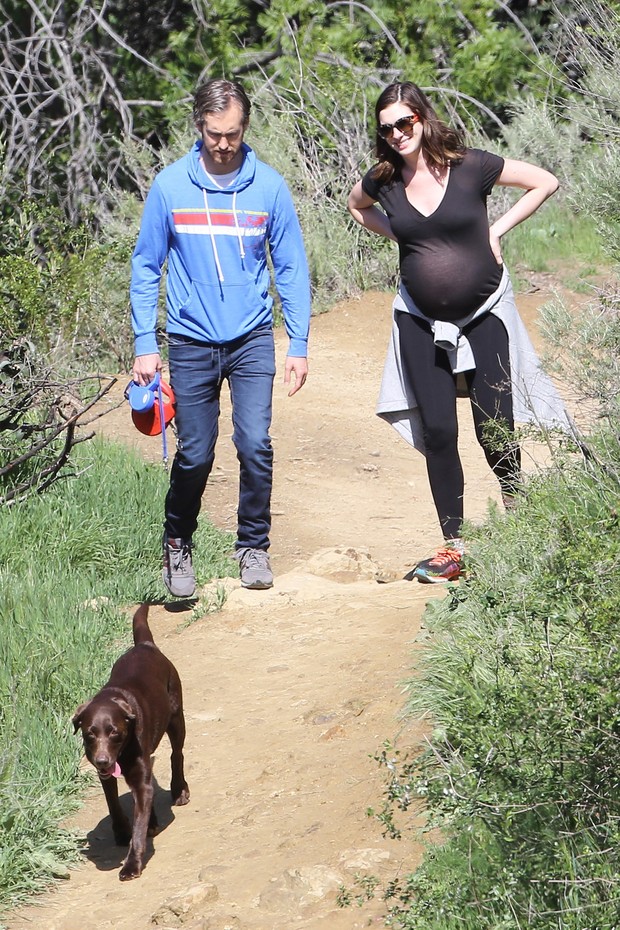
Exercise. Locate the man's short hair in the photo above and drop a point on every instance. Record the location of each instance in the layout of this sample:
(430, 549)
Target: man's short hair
(216, 95)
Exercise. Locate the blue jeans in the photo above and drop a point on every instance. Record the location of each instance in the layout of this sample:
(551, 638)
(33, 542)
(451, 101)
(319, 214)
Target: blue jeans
(197, 371)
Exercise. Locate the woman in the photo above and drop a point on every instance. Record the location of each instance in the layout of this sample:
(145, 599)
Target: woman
(454, 311)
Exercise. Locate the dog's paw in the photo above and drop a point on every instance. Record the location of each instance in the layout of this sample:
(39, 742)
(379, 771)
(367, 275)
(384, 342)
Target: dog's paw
(180, 798)
(130, 870)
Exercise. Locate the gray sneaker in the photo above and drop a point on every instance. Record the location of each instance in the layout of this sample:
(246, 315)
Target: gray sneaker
(254, 568)
(178, 572)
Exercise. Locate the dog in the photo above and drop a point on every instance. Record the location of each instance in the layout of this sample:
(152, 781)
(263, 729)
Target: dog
(122, 726)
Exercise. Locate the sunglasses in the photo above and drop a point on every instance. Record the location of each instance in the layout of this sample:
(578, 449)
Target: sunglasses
(405, 125)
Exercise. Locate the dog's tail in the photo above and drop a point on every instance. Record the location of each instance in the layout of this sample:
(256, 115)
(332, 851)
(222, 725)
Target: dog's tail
(141, 630)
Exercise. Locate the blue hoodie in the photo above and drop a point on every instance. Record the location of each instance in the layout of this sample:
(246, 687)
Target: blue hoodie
(217, 285)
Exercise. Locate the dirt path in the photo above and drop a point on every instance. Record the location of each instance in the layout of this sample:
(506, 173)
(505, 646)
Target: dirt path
(289, 693)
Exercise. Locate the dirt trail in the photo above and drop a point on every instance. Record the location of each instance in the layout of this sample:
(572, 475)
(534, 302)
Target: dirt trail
(288, 693)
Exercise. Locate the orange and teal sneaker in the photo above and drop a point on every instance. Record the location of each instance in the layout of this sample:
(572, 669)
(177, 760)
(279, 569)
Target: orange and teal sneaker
(445, 565)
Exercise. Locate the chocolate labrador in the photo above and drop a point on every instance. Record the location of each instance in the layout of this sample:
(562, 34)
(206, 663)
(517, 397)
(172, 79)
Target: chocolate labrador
(123, 724)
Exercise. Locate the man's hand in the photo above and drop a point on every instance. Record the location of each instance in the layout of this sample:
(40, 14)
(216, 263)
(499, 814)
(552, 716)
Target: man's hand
(299, 367)
(144, 368)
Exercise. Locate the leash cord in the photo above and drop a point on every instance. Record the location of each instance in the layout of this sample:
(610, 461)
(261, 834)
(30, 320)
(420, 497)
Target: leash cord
(164, 441)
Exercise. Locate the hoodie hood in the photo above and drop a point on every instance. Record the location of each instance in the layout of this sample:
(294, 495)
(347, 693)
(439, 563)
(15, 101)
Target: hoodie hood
(201, 179)
(240, 182)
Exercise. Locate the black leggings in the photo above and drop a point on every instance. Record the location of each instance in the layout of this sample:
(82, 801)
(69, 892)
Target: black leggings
(434, 385)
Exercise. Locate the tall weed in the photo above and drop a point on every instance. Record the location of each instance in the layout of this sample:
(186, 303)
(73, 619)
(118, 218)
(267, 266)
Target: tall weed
(321, 146)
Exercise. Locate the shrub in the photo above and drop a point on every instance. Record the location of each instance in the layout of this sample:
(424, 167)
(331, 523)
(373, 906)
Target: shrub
(521, 681)
(65, 289)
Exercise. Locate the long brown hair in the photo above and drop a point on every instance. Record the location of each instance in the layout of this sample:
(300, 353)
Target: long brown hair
(442, 145)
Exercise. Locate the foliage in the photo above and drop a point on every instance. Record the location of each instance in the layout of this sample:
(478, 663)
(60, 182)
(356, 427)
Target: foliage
(343, 258)
(476, 51)
(63, 313)
(79, 79)
(520, 678)
(590, 360)
(40, 420)
(557, 241)
(64, 621)
(64, 289)
(596, 112)
(71, 85)
(40, 270)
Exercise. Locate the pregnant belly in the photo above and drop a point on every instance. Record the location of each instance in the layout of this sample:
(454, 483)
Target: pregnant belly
(452, 287)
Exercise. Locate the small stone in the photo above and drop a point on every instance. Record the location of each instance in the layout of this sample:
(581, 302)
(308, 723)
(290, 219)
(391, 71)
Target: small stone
(355, 861)
(299, 889)
(186, 906)
(335, 732)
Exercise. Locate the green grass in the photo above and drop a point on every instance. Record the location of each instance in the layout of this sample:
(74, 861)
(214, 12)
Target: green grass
(72, 561)
(558, 240)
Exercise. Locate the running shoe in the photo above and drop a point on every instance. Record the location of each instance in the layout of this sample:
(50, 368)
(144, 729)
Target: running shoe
(445, 565)
(254, 568)
(178, 572)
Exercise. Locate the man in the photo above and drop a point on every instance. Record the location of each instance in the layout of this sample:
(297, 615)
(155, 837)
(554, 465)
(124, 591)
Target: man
(214, 215)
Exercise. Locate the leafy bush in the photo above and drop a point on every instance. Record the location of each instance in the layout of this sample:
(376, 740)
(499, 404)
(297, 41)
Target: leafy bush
(521, 679)
(65, 289)
(60, 133)
(343, 258)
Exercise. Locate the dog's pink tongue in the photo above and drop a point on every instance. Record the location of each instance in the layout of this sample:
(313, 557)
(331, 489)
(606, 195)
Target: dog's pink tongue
(115, 770)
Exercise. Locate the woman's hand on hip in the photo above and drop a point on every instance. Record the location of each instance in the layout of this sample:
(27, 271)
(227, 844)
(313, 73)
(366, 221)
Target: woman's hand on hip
(496, 246)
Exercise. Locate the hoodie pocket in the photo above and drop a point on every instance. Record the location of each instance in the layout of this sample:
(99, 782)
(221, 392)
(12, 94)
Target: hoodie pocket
(205, 297)
(222, 312)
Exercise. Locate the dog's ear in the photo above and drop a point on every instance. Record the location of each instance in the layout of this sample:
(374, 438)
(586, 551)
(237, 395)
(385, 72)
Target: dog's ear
(125, 707)
(76, 720)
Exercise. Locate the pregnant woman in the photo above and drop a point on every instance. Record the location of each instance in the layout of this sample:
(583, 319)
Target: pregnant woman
(454, 311)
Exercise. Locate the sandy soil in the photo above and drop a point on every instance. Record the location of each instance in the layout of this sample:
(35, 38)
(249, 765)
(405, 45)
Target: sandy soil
(288, 693)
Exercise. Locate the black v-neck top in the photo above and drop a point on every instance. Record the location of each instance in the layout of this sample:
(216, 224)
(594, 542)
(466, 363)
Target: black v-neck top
(446, 262)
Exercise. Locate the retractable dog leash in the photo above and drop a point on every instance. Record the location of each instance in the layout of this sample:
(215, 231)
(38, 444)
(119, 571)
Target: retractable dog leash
(152, 408)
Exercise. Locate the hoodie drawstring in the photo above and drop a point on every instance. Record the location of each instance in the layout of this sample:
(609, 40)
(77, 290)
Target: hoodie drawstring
(239, 236)
(216, 257)
(220, 274)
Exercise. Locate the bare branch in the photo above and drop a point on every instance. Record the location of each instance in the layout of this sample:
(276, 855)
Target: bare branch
(36, 412)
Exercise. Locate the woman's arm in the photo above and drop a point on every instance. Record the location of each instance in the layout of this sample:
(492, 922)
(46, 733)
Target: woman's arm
(538, 185)
(363, 210)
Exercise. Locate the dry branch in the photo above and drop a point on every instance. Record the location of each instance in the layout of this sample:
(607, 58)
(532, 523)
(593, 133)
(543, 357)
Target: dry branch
(40, 420)
(62, 107)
